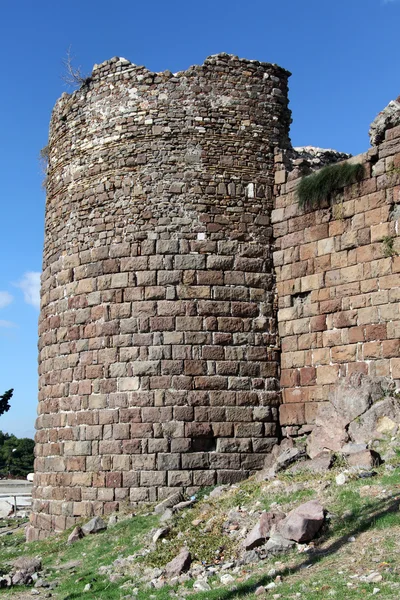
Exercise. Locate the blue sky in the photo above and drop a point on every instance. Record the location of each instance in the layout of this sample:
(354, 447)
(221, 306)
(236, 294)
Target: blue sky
(343, 55)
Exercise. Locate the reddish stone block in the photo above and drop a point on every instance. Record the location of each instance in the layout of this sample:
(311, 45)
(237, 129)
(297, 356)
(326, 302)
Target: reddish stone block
(375, 332)
(318, 232)
(162, 323)
(345, 319)
(308, 376)
(356, 334)
(357, 367)
(292, 414)
(318, 323)
(141, 430)
(329, 306)
(198, 429)
(344, 354)
(327, 374)
(390, 348)
(294, 395)
(395, 368)
(214, 382)
(290, 378)
(372, 350)
(113, 480)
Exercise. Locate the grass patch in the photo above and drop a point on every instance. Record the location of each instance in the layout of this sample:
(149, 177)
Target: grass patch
(92, 552)
(388, 246)
(361, 535)
(317, 187)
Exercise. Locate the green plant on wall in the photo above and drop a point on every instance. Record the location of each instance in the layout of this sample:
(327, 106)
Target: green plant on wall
(317, 187)
(387, 246)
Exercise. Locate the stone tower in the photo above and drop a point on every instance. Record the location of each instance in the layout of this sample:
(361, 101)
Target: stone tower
(158, 348)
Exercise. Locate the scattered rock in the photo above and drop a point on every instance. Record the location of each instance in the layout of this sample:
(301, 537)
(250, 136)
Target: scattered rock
(166, 516)
(21, 578)
(260, 591)
(277, 543)
(262, 530)
(180, 564)
(226, 579)
(341, 479)
(28, 565)
(373, 577)
(324, 437)
(287, 457)
(218, 491)
(169, 502)
(249, 557)
(183, 505)
(75, 535)
(369, 426)
(160, 533)
(386, 425)
(113, 520)
(201, 585)
(87, 587)
(351, 448)
(271, 464)
(303, 522)
(41, 583)
(355, 413)
(94, 526)
(365, 458)
(354, 395)
(320, 463)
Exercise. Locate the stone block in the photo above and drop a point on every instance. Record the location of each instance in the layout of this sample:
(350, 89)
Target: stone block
(343, 354)
(168, 462)
(292, 414)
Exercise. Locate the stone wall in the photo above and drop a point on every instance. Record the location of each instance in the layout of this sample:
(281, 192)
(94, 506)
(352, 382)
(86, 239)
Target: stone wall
(338, 282)
(158, 341)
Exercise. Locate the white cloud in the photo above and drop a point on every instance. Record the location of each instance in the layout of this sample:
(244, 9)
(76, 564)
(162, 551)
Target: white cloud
(7, 323)
(30, 285)
(5, 299)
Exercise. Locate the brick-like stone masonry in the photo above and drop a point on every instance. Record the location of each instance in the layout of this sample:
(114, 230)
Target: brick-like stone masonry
(338, 283)
(158, 338)
(175, 250)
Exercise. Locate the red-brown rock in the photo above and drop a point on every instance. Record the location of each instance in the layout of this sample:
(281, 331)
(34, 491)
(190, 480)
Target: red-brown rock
(302, 523)
(180, 564)
(263, 529)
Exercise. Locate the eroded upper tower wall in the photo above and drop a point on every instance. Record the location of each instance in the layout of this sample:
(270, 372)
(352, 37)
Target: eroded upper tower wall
(158, 350)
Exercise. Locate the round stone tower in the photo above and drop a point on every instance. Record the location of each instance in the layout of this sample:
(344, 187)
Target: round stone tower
(158, 343)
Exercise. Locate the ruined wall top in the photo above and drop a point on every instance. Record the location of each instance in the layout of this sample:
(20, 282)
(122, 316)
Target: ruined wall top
(225, 116)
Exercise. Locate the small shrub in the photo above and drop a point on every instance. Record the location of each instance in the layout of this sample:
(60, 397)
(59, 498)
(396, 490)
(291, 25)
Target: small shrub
(44, 164)
(387, 245)
(73, 76)
(319, 186)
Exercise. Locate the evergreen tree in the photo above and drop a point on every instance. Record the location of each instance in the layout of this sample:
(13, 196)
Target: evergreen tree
(4, 401)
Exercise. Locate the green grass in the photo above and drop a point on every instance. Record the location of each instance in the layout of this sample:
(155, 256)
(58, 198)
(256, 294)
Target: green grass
(320, 186)
(94, 551)
(366, 509)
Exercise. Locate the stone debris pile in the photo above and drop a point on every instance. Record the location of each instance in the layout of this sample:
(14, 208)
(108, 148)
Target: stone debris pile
(388, 118)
